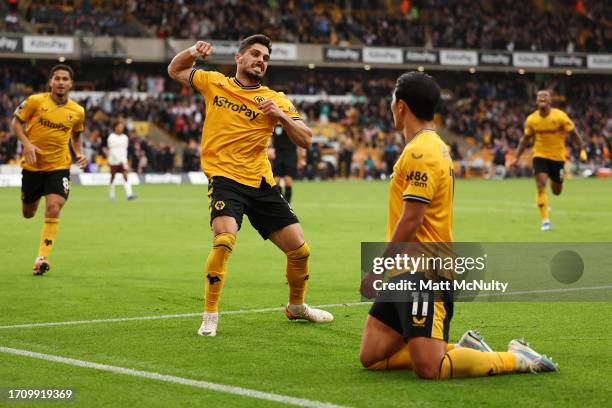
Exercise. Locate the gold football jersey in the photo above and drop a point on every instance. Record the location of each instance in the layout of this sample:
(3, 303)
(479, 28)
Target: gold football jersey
(424, 173)
(236, 134)
(549, 133)
(49, 127)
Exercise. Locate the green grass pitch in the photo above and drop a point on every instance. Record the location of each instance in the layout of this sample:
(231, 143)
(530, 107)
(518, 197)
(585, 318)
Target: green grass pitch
(145, 258)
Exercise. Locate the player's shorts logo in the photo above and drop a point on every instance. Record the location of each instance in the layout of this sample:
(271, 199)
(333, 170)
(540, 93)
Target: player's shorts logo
(66, 184)
(219, 205)
(259, 99)
(418, 322)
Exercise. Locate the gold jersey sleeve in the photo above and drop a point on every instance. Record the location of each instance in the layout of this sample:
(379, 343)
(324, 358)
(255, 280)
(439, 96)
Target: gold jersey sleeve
(49, 127)
(424, 173)
(236, 133)
(549, 133)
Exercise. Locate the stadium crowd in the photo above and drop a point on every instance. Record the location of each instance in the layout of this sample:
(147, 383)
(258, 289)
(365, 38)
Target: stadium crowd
(565, 25)
(352, 136)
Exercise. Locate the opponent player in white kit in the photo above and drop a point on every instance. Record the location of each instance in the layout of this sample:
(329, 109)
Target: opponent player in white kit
(117, 159)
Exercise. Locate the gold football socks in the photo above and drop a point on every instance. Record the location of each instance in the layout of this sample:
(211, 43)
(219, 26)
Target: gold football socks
(465, 362)
(542, 202)
(48, 236)
(297, 273)
(216, 266)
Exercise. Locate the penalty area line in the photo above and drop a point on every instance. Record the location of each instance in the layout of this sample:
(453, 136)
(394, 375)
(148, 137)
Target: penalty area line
(228, 389)
(168, 316)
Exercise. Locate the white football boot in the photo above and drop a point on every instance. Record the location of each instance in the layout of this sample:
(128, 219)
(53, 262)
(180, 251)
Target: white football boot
(530, 361)
(472, 339)
(41, 266)
(209, 324)
(305, 312)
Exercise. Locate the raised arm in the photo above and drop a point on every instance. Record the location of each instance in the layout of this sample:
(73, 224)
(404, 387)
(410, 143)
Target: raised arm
(181, 65)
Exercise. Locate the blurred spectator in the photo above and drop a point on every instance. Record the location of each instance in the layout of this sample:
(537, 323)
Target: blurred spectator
(536, 25)
(483, 112)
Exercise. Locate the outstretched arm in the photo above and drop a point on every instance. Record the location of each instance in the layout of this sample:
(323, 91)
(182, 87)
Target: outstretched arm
(181, 65)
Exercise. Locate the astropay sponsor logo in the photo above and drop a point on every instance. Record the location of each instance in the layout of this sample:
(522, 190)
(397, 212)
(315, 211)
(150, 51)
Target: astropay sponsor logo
(567, 61)
(599, 61)
(197, 177)
(10, 44)
(48, 45)
(342, 54)
(530, 60)
(282, 51)
(224, 50)
(495, 58)
(164, 178)
(382, 55)
(455, 57)
(425, 57)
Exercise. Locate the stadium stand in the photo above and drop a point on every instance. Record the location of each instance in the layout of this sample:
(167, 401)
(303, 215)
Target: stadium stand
(563, 25)
(482, 114)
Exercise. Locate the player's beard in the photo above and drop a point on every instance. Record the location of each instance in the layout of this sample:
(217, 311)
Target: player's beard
(61, 92)
(254, 76)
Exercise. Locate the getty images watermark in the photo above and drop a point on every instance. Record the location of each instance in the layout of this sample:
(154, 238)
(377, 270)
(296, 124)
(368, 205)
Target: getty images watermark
(467, 271)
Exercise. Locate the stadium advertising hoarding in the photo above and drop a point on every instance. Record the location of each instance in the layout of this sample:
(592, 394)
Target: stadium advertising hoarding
(530, 59)
(280, 51)
(500, 59)
(342, 54)
(599, 61)
(459, 57)
(11, 43)
(48, 45)
(567, 60)
(10, 180)
(380, 55)
(285, 52)
(421, 57)
(224, 49)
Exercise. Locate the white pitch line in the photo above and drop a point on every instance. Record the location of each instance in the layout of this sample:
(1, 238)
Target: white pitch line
(228, 389)
(277, 309)
(170, 316)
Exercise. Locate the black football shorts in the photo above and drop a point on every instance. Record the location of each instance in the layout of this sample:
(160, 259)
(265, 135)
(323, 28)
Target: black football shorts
(553, 168)
(35, 184)
(267, 209)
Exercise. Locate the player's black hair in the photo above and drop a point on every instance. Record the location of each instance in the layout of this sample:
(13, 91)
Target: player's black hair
(420, 92)
(255, 39)
(62, 67)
